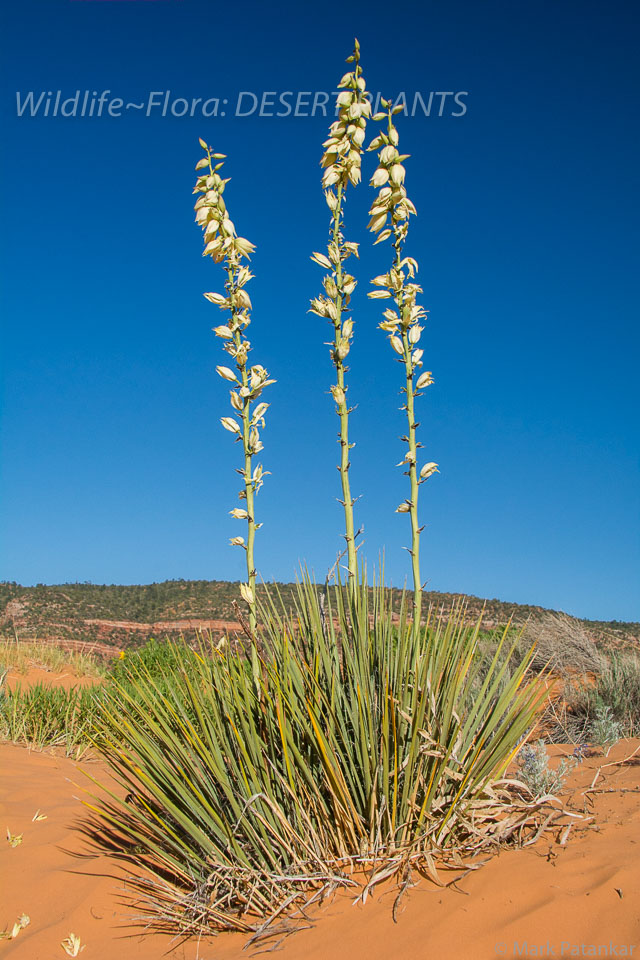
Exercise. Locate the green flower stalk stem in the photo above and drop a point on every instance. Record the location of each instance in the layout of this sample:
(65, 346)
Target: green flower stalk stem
(390, 219)
(225, 247)
(342, 166)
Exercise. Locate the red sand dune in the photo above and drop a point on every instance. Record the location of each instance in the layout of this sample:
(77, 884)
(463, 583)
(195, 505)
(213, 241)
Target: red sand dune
(545, 900)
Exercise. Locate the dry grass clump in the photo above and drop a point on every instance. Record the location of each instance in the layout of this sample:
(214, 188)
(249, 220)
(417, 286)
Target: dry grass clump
(562, 644)
(602, 711)
(20, 656)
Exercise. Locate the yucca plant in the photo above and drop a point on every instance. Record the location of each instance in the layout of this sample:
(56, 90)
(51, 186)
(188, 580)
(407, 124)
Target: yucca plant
(390, 220)
(224, 246)
(362, 749)
(355, 739)
(342, 161)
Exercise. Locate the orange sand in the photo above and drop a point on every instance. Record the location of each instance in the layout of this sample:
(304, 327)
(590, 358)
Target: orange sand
(35, 675)
(522, 903)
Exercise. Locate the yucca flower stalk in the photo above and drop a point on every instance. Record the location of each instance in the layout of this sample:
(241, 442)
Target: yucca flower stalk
(342, 166)
(224, 246)
(390, 220)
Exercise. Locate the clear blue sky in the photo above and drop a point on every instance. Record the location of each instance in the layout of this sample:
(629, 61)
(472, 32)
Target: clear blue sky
(114, 465)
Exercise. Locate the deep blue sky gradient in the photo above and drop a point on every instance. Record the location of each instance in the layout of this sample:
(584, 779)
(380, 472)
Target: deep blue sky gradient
(114, 465)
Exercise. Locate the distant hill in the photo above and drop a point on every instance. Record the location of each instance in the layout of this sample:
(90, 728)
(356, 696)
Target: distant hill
(119, 616)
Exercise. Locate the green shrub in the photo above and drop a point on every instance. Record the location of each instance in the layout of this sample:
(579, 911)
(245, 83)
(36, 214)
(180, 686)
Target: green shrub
(356, 742)
(157, 658)
(46, 716)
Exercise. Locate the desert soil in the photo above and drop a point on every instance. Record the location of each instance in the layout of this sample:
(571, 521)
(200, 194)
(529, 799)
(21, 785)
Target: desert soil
(36, 675)
(550, 899)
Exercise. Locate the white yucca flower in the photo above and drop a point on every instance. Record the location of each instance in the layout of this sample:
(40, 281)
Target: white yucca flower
(428, 470)
(223, 332)
(388, 154)
(247, 593)
(243, 246)
(380, 177)
(242, 298)
(424, 380)
(216, 298)
(230, 424)
(331, 176)
(338, 394)
(259, 412)
(72, 945)
(227, 374)
(343, 348)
